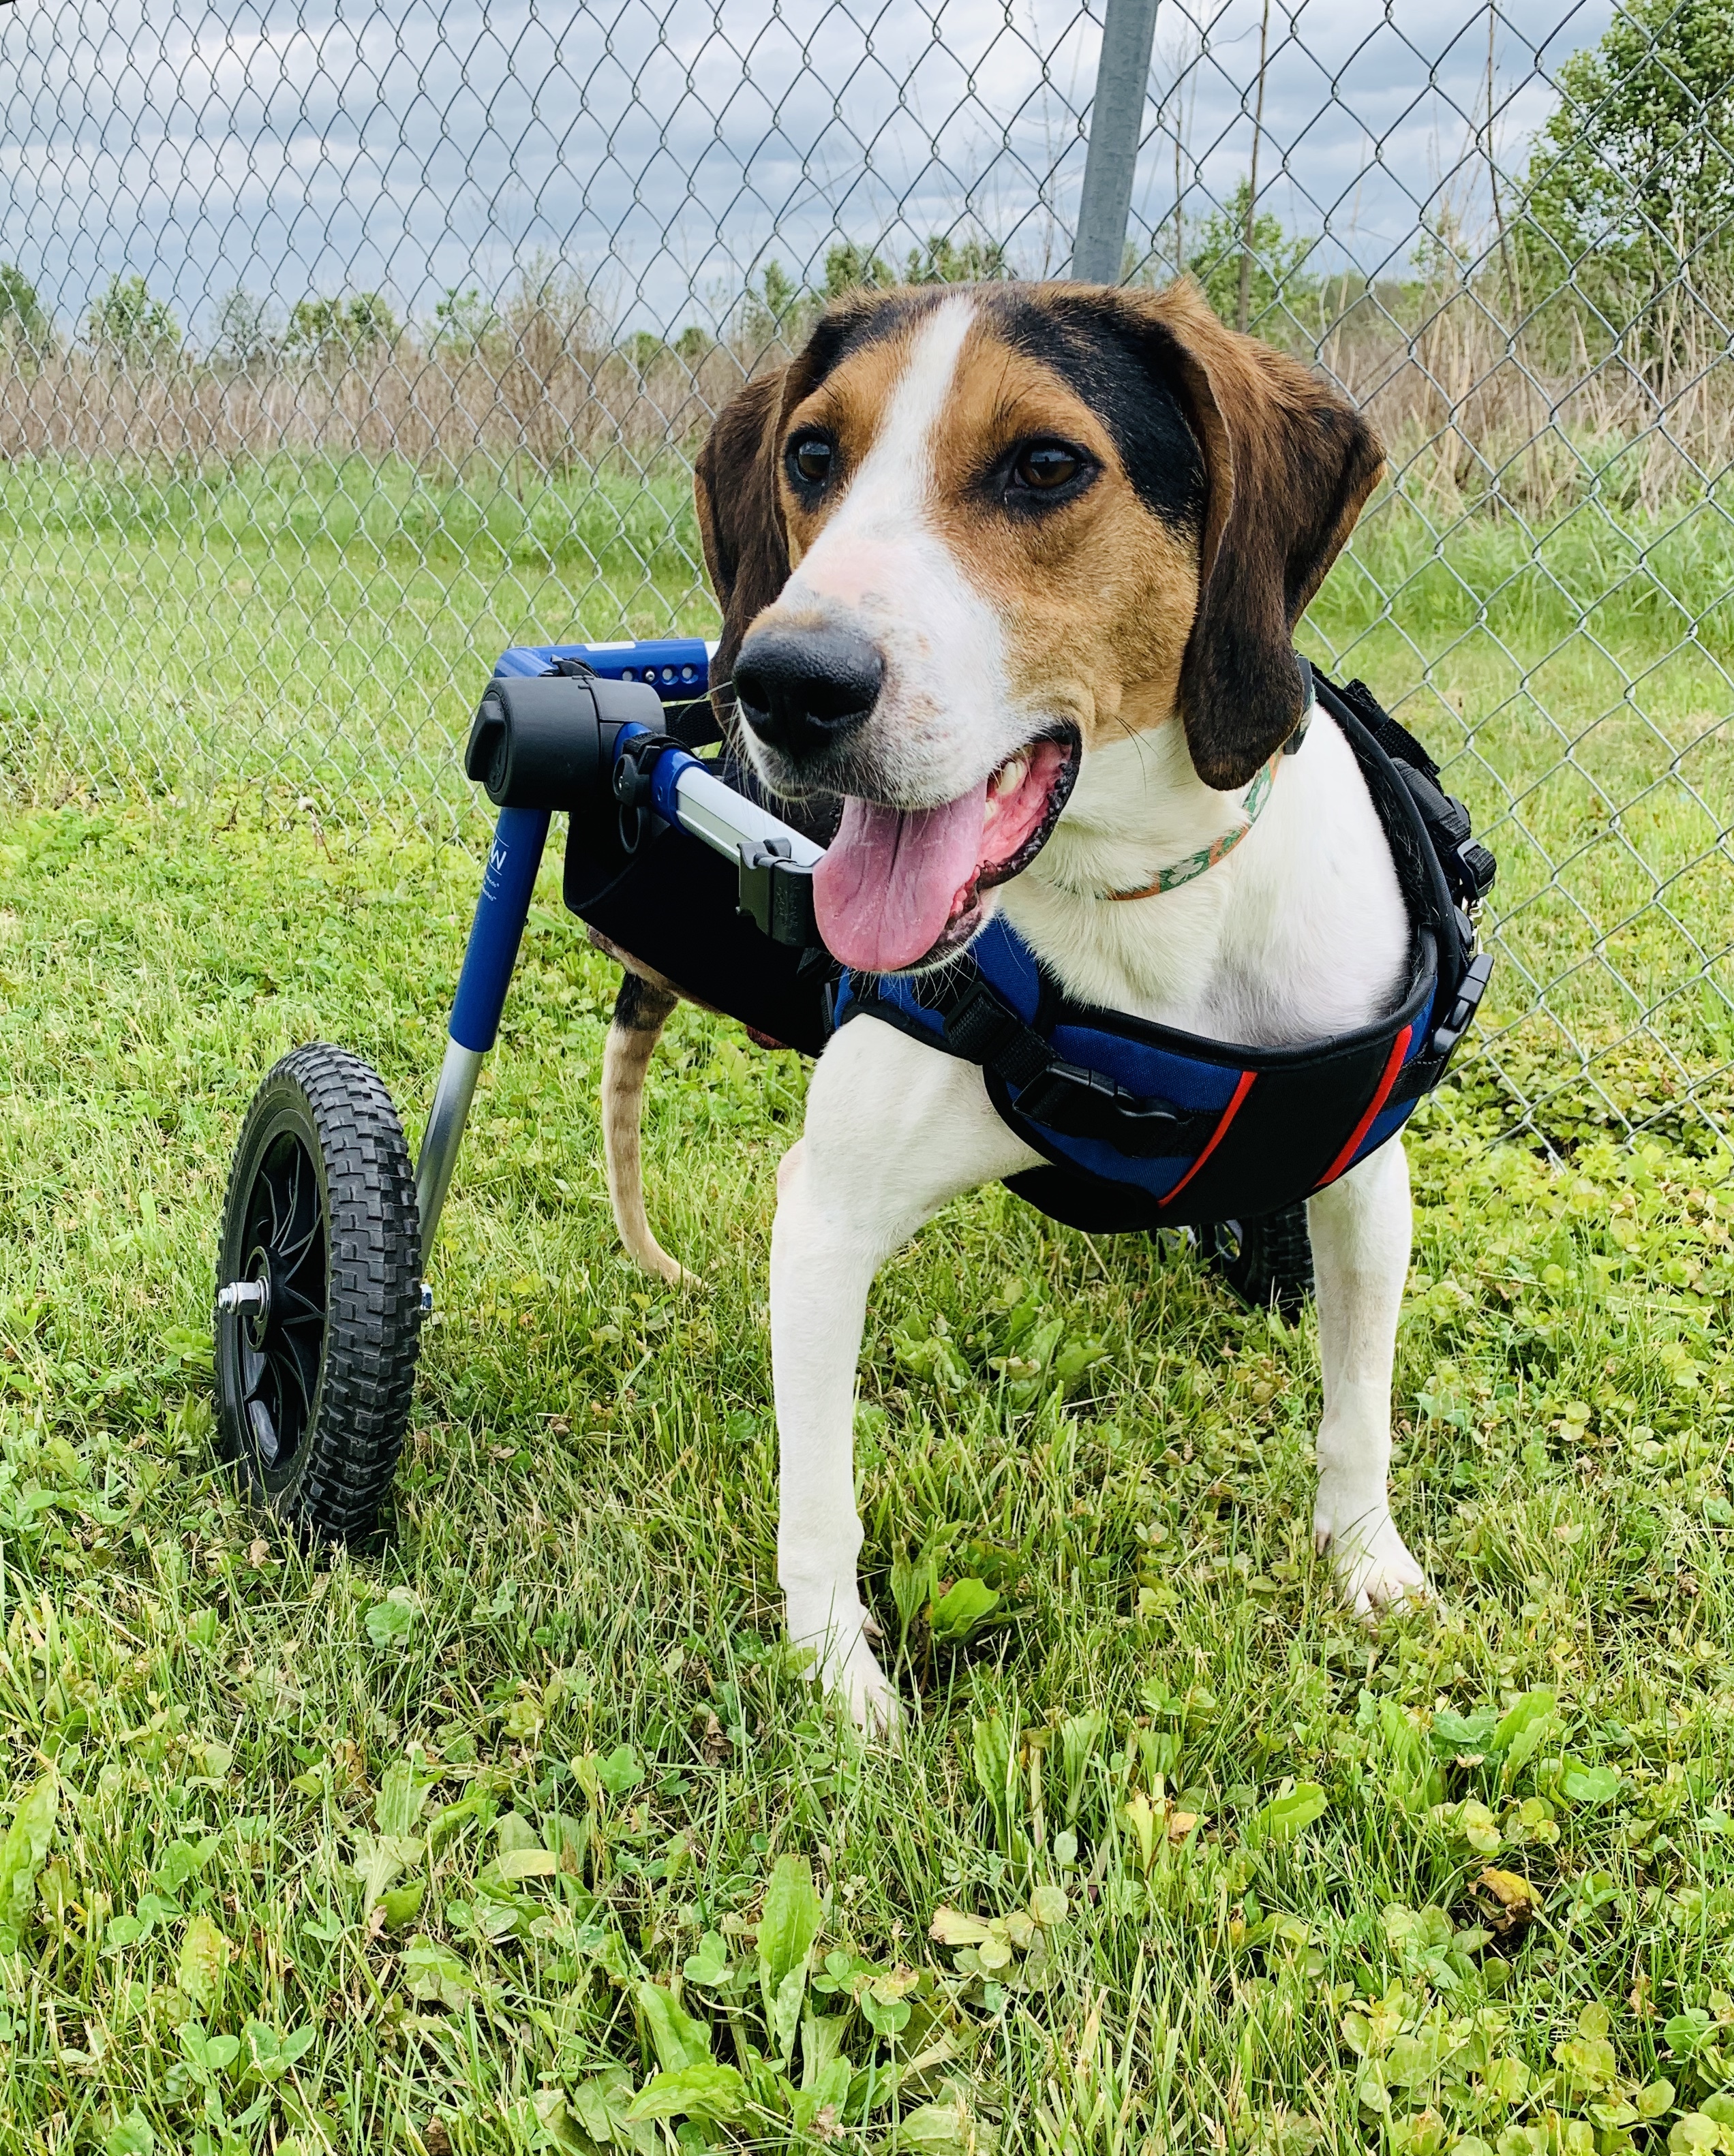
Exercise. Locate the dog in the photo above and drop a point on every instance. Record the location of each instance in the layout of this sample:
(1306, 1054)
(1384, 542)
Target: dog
(1012, 571)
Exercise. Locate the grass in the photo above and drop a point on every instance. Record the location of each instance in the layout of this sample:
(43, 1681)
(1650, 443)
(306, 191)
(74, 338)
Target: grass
(412, 1851)
(324, 624)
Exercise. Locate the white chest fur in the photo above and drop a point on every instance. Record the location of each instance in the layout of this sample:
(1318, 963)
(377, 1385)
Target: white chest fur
(1300, 931)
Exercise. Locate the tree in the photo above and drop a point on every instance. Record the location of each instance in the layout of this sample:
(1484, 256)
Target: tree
(852, 268)
(23, 319)
(127, 325)
(464, 321)
(1630, 185)
(947, 261)
(245, 328)
(1277, 277)
(368, 321)
(347, 328)
(778, 308)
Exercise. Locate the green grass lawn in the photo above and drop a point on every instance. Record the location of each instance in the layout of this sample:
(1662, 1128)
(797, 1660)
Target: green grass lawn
(522, 1833)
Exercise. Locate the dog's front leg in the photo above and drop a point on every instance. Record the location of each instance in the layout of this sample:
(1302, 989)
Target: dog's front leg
(893, 1131)
(1360, 1230)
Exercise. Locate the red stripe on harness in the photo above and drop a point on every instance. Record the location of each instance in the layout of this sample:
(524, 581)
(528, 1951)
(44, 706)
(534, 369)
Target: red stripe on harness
(1400, 1048)
(1216, 1137)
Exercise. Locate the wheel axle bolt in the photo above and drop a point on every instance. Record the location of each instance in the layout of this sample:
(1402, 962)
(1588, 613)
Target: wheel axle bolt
(241, 1295)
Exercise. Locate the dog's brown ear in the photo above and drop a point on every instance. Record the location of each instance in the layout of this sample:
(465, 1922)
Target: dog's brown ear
(1288, 464)
(740, 521)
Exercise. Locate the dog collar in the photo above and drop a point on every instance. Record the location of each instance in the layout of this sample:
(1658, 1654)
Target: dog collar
(1256, 794)
(1192, 866)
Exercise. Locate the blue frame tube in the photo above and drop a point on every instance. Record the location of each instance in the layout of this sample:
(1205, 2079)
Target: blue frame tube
(497, 930)
(684, 791)
(501, 912)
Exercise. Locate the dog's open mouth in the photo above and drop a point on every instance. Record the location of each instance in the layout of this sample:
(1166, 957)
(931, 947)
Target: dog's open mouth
(898, 887)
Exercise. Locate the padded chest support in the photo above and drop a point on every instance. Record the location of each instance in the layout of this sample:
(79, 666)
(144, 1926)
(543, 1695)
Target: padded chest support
(1143, 1125)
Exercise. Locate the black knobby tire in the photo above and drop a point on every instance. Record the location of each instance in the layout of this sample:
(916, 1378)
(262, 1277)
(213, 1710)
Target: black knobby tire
(313, 1389)
(1267, 1262)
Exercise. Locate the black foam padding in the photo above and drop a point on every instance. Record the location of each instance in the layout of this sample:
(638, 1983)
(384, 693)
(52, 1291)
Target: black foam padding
(1078, 1199)
(673, 907)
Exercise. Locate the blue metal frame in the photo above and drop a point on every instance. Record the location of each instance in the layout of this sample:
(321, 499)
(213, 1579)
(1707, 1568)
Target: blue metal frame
(498, 928)
(677, 667)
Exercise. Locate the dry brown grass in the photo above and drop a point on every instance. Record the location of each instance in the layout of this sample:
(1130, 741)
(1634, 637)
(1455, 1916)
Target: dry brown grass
(1477, 413)
(551, 401)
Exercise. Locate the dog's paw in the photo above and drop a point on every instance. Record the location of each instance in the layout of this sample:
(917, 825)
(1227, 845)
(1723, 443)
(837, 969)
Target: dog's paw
(863, 1688)
(1374, 1567)
(844, 1668)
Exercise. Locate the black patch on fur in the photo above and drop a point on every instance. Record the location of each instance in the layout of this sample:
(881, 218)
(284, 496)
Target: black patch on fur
(641, 1007)
(852, 329)
(1101, 357)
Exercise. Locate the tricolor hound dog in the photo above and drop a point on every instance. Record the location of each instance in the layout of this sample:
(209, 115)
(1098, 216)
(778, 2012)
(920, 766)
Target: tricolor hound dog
(1014, 571)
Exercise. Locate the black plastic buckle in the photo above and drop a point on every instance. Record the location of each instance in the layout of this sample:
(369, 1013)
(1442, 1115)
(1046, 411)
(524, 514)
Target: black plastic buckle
(633, 768)
(1477, 867)
(1470, 868)
(978, 1026)
(1461, 1016)
(1084, 1104)
(776, 893)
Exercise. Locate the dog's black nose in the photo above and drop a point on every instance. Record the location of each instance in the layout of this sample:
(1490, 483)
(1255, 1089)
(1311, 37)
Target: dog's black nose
(801, 690)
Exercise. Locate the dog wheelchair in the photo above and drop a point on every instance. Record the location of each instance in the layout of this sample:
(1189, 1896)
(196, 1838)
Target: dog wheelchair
(670, 856)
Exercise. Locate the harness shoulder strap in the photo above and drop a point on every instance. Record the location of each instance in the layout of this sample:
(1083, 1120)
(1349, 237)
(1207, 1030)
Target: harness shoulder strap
(1461, 871)
(1470, 868)
(980, 1027)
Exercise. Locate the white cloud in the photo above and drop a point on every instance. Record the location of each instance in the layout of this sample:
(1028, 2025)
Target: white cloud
(665, 149)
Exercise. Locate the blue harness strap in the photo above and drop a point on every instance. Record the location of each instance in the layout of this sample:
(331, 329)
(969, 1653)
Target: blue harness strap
(1143, 1125)
(1182, 1130)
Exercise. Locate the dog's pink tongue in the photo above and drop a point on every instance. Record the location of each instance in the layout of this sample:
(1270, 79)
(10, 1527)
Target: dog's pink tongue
(885, 889)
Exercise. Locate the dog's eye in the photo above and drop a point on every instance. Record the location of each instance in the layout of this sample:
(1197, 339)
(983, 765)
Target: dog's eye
(1046, 465)
(810, 460)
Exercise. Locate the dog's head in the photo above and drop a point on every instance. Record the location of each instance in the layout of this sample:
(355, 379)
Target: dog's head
(969, 533)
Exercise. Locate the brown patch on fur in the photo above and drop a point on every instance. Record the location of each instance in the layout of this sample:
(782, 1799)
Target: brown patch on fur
(848, 397)
(740, 521)
(1097, 595)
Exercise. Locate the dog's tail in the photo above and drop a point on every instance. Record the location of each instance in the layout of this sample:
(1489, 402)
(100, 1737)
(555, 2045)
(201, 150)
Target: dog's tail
(642, 1010)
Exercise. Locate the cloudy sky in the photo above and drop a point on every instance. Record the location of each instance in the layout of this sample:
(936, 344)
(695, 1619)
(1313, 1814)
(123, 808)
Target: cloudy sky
(667, 148)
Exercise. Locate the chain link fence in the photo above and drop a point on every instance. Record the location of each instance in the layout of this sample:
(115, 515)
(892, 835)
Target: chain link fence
(342, 346)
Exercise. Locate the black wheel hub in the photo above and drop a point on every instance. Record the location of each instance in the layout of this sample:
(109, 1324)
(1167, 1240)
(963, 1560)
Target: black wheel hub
(282, 1338)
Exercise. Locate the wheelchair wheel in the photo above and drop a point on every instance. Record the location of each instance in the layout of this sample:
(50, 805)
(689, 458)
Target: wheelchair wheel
(319, 1296)
(1267, 1262)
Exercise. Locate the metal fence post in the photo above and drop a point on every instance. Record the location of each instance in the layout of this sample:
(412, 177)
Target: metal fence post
(1128, 32)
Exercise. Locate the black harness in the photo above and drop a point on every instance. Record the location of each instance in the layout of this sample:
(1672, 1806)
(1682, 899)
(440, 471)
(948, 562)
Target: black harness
(1141, 1125)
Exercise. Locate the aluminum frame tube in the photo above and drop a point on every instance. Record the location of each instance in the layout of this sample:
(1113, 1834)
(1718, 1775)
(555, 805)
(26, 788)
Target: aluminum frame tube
(1128, 32)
